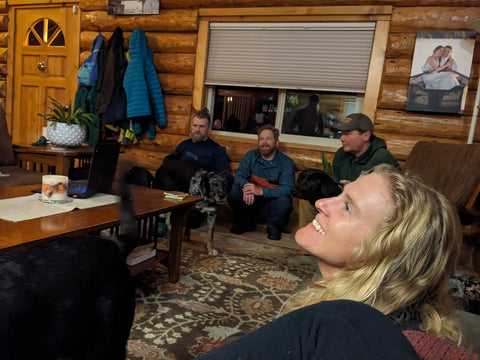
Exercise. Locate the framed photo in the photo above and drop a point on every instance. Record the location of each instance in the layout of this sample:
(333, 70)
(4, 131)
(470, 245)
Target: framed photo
(441, 66)
(133, 7)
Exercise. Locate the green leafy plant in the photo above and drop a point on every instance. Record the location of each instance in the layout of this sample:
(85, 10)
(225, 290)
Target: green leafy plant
(327, 167)
(65, 114)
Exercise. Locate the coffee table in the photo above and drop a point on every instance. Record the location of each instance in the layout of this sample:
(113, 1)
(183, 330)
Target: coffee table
(148, 203)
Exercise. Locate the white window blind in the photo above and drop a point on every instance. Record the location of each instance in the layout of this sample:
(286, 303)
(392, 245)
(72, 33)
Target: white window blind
(324, 56)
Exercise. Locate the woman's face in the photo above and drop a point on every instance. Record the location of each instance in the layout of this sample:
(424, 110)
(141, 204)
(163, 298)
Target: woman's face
(343, 222)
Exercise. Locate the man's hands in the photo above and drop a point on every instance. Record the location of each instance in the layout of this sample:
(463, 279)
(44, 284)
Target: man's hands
(249, 192)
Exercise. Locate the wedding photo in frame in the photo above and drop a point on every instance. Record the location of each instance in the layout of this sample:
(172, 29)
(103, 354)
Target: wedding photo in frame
(441, 66)
(133, 7)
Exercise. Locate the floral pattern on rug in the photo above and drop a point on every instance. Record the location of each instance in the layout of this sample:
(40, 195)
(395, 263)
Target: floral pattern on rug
(216, 297)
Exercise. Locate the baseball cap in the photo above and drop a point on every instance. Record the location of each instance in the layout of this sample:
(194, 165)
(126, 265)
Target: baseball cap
(357, 121)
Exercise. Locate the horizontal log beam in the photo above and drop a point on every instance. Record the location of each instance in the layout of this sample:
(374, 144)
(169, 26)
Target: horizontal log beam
(168, 63)
(405, 19)
(4, 22)
(167, 21)
(393, 96)
(177, 124)
(177, 84)
(174, 63)
(194, 4)
(3, 55)
(93, 4)
(3, 39)
(441, 126)
(178, 104)
(157, 42)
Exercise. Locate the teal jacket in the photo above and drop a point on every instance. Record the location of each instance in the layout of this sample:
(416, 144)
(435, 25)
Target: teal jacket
(347, 167)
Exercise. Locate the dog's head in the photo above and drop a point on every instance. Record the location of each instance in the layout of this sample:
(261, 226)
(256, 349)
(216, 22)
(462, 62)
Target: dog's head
(313, 184)
(198, 184)
(211, 186)
(219, 186)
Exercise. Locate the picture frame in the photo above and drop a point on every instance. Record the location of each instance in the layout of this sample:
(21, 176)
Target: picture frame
(440, 72)
(133, 7)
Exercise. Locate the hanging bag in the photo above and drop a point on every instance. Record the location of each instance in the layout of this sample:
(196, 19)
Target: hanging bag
(88, 72)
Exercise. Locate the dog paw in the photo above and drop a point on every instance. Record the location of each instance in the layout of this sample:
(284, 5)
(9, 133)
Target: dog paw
(212, 252)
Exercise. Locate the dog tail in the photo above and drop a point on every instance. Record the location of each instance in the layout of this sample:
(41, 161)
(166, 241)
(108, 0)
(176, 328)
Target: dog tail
(128, 236)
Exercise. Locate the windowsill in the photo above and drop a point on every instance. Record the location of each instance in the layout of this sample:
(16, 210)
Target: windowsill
(287, 138)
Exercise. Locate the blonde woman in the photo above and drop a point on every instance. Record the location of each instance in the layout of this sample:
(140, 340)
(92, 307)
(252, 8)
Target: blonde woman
(386, 246)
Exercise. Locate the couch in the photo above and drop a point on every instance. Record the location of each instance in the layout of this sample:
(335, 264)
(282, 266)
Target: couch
(10, 173)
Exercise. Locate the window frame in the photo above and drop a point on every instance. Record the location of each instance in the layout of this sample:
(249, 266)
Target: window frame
(381, 15)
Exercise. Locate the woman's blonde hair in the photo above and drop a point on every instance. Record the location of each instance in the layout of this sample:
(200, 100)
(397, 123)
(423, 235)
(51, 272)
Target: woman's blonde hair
(403, 266)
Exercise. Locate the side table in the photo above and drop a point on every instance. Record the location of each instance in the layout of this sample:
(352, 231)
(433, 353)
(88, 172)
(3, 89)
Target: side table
(44, 158)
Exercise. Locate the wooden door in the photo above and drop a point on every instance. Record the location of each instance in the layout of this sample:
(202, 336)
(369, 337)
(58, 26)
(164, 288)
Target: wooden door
(45, 63)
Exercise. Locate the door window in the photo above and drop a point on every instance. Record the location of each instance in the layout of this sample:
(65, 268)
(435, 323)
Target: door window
(45, 32)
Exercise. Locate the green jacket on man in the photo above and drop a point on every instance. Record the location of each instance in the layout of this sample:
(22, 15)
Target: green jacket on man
(347, 167)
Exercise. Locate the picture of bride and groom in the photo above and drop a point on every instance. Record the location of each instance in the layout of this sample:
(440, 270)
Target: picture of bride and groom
(440, 72)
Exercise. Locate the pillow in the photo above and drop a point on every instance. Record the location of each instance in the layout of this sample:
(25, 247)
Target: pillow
(7, 156)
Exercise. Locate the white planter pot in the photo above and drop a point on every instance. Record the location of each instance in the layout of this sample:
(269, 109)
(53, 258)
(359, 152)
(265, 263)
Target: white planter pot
(61, 134)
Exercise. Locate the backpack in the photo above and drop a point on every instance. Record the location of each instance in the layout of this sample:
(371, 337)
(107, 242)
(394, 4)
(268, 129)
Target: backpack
(139, 176)
(88, 72)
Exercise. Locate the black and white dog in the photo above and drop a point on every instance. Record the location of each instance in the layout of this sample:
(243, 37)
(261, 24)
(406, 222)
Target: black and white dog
(313, 184)
(213, 187)
(70, 297)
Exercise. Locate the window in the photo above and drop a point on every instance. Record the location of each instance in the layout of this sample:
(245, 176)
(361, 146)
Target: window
(45, 32)
(301, 76)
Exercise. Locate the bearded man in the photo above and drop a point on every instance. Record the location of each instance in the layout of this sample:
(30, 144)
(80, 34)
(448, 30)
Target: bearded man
(198, 152)
(262, 186)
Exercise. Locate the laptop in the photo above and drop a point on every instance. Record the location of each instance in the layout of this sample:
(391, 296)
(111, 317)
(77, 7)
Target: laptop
(101, 173)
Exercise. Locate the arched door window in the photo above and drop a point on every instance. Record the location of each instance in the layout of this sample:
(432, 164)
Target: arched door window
(45, 32)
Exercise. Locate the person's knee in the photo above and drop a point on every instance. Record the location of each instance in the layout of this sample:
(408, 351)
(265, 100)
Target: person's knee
(235, 196)
(282, 204)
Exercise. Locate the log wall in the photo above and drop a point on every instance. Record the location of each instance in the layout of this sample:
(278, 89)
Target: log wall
(172, 35)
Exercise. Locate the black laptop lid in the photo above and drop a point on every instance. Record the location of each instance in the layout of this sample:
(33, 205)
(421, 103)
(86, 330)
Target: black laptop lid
(102, 167)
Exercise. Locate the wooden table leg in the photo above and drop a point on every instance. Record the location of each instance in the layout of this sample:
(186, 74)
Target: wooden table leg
(177, 223)
(63, 165)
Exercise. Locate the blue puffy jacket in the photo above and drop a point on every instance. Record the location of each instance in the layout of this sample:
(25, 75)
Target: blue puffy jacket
(144, 94)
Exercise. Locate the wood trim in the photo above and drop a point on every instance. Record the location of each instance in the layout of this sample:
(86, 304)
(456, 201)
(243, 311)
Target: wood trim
(200, 64)
(304, 10)
(10, 53)
(298, 18)
(377, 59)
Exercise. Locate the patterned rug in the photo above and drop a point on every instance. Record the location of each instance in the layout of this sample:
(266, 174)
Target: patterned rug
(233, 293)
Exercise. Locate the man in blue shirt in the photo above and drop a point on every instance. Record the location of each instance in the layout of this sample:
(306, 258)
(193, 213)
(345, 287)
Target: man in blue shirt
(198, 152)
(262, 186)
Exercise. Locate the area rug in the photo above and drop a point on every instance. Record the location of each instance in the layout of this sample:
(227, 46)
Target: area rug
(216, 297)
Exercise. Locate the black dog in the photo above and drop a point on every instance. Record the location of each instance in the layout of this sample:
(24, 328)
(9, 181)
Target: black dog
(213, 187)
(313, 184)
(69, 297)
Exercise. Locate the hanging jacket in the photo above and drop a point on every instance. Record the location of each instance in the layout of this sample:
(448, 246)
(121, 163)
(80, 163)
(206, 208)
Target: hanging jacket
(144, 95)
(111, 102)
(86, 95)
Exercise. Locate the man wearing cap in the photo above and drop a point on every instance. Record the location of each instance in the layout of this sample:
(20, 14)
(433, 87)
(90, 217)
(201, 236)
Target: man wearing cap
(360, 151)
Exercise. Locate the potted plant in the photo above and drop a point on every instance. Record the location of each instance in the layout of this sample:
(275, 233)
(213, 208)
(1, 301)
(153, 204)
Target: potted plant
(66, 127)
